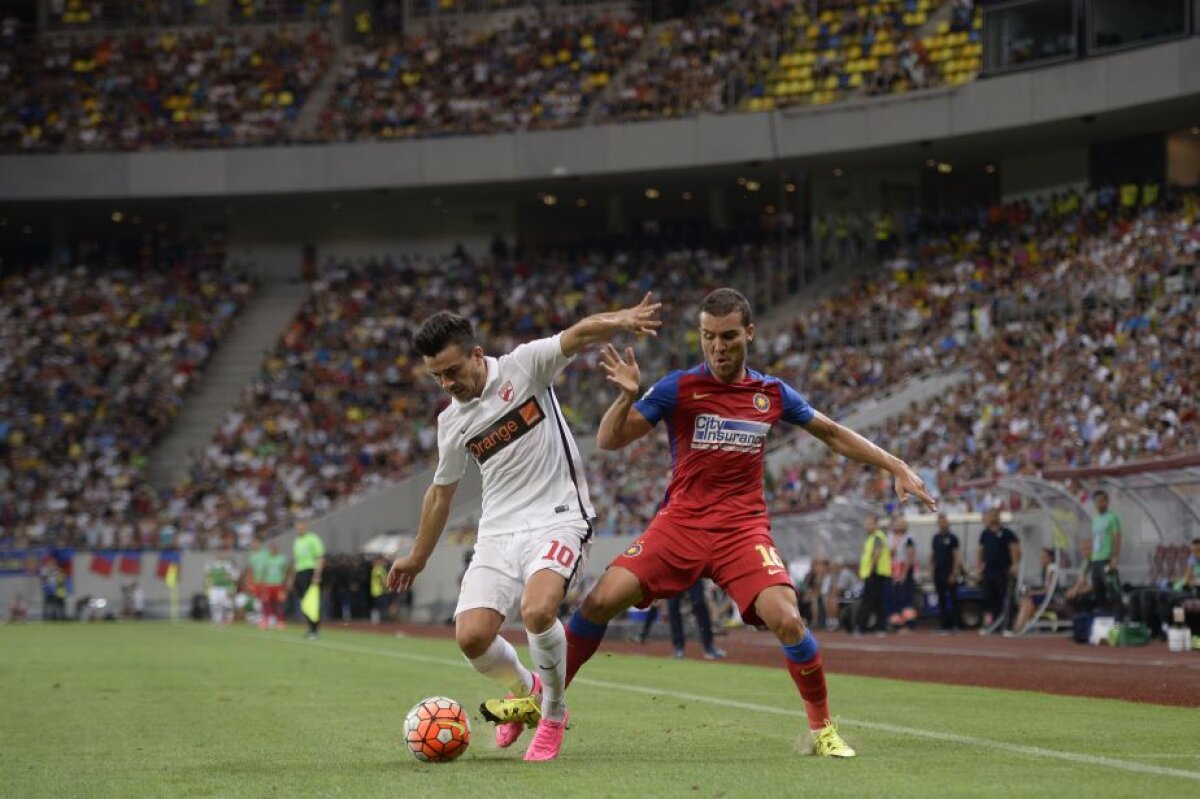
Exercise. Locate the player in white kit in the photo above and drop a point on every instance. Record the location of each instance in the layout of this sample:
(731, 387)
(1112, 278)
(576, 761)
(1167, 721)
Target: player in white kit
(536, 523)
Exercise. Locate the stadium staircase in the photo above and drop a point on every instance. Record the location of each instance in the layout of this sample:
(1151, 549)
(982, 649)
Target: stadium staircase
(872, 412)
(236, 362)
(306, 122)
(613, 88)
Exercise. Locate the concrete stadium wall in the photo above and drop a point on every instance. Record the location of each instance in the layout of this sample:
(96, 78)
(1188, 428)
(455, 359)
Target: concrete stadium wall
(1121, 82)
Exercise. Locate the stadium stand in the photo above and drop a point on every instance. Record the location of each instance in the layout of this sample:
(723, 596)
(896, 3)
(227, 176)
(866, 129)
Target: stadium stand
(686, 68)
(531, 74)
(204, 86)
(992, 298)
(326, 420)
(152, 90)
(96, 359)
(869, 48)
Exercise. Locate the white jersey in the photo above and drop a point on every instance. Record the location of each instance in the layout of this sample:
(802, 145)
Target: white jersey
(532, 473)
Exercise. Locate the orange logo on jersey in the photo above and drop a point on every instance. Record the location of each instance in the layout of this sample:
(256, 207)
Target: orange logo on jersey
(633, 550)
(505, 430)
(761, 403)
(531, 412)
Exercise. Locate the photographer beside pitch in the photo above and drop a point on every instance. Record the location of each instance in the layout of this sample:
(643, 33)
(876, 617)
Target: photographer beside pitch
(537, 518)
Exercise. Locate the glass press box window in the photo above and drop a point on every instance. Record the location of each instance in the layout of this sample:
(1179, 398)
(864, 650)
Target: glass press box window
(1119, 23)
(1029, 33)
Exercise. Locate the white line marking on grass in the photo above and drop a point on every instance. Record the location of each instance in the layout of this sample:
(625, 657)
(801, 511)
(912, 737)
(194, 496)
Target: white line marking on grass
(929, 735)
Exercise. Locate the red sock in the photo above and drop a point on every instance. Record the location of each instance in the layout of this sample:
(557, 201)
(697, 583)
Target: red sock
(583, 639)
(810, 679)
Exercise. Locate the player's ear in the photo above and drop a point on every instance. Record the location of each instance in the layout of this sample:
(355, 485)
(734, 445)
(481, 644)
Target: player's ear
(750, 332)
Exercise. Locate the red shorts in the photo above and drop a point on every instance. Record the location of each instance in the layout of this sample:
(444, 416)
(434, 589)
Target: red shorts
(669, 557)
(269, 593)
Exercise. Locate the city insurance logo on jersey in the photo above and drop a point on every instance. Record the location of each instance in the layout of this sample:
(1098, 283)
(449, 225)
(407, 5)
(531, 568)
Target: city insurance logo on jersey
(731, 435)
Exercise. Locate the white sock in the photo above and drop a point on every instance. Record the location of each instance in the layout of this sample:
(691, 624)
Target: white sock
(500, 663)
(549, 652)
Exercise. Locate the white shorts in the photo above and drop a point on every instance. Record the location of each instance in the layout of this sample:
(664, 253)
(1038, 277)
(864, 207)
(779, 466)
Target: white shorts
(502, 564)
(218, 597)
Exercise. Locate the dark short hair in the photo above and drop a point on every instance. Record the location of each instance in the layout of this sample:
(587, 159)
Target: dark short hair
(1099, 493)
(1049, 552)
(441, 330)
(723, 302)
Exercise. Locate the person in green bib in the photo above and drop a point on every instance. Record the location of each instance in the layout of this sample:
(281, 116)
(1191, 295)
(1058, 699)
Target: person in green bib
(275, 573)
(1106, 549)
(309, 561)
(875, 570)
(379, 592)
(256, 561)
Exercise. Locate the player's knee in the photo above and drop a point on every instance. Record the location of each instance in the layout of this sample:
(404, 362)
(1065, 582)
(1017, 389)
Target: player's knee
(600, 606)
(538, 616)
(789, 627)
(473, 642)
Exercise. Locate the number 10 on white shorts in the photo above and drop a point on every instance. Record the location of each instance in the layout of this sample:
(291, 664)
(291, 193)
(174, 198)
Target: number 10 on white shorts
(502, 564)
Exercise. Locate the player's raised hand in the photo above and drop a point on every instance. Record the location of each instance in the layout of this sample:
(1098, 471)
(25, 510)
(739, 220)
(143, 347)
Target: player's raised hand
(908, 483)
(622, 371)
(642, 319)
(403, 572)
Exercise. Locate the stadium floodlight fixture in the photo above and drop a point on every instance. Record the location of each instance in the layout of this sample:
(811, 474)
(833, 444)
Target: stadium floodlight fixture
(549, 199)
(990, 169)
(687, 196)
(790, 188)
(838, 172)
(118, 217)
(652, 193)
(753, 185)
(945, 168)
(581, 202)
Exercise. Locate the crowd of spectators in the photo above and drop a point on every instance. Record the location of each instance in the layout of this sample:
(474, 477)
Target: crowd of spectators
(159, 87)
(686, 70)
(866, 48)
(533, 73)
(1071, 315)
(1073, 320)
(96, 358)
(152, 90)
(1077, 328)
(342, 405)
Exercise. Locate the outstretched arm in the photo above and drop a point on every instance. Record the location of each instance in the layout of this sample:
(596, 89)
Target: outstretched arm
(641, 320)
(850, 444)
(435, 509)
(622, 423)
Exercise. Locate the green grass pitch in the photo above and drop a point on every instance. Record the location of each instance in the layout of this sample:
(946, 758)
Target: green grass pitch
(187, 710)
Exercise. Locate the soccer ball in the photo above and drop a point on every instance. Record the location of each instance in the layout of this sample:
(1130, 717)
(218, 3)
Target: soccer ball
(437, 730)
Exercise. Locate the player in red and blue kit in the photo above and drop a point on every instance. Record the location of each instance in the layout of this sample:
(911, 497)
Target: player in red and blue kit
(713, 521)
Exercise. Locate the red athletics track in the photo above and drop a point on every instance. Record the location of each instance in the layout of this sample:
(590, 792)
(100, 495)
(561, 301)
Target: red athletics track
(1053, 665)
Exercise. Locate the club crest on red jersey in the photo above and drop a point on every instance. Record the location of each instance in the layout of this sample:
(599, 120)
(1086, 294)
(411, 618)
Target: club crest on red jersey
(506, 391)
(633, 550)
(761, 403)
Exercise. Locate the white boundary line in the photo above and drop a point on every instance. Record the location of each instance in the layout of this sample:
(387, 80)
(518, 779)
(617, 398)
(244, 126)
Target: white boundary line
(930, 735)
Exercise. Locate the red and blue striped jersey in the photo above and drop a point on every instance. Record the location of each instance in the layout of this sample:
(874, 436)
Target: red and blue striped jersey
(718, 433)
